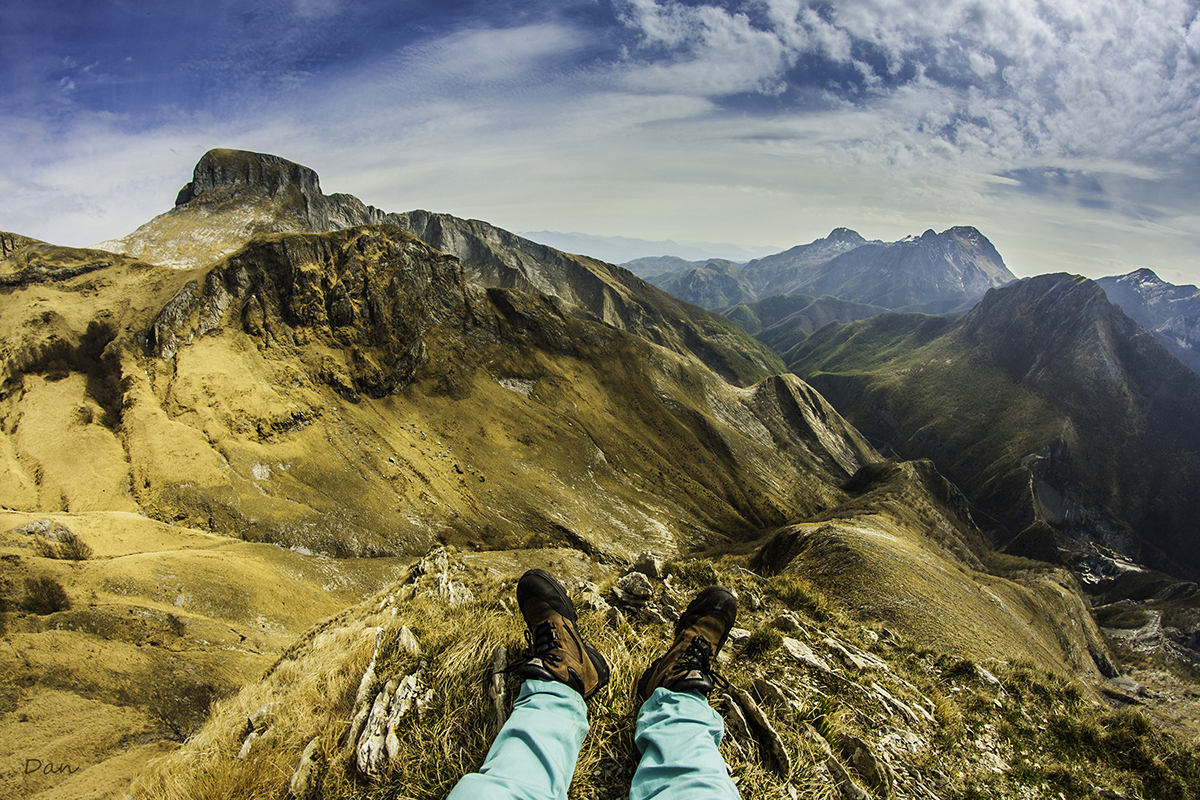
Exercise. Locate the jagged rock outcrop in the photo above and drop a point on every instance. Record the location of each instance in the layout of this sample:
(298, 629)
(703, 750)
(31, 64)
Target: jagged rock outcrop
(372, 293)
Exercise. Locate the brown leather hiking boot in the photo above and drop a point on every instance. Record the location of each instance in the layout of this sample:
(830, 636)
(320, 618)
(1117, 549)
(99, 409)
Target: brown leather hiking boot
(699, 636)
(556, 652)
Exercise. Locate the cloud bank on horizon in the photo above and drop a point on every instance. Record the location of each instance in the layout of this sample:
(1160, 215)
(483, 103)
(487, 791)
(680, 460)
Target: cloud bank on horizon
(1068, 132)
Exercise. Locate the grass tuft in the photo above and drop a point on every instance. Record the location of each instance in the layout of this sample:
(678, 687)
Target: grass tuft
(761, 642)
(799, 594)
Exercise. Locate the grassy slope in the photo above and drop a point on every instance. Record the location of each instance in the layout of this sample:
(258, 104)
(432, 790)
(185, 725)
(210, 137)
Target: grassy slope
(905, 380)
(1031, 732)
(163, 621)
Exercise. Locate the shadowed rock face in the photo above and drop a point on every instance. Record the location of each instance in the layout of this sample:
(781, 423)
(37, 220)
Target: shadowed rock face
(226, 169)
(1045, 403)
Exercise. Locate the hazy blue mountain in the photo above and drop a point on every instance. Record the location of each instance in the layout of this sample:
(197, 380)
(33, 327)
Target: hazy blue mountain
(1170, 312)
(621, 249)
(935, 273)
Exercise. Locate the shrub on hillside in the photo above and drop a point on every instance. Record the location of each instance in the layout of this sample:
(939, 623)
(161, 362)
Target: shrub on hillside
(44, 595)
(66, 545)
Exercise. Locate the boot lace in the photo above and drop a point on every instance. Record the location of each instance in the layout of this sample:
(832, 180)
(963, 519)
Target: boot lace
(698, 656)
(542, 643)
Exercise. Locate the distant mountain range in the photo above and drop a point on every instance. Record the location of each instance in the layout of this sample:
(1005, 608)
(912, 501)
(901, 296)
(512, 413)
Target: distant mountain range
(934, 273)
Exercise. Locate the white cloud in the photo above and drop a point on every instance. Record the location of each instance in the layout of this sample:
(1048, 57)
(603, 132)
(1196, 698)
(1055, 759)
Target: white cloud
(485, 57)
(526, 128)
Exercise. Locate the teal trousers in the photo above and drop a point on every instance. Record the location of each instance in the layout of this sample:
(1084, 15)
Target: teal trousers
(534, 755)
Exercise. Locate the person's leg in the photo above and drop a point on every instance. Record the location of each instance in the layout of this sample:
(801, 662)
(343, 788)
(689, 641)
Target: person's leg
(533, 756)
(678, 732)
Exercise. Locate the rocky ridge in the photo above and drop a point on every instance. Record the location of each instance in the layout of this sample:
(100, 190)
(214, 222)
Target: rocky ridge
(235, 195)
(816, 704)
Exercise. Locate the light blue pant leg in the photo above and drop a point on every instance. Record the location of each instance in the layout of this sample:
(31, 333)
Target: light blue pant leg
(678, 734)
(534, 755)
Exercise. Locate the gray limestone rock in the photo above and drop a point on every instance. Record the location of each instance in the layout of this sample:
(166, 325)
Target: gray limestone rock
(738, 637)
(371, 753)
(814, 736)
(787, 622)
(634, 589)
(614, 618)
(649, 565)
(773, 695)
(804, 654)
(303, 781)
(873, 769)
(845, 783)
(407, 643)
(769, 741)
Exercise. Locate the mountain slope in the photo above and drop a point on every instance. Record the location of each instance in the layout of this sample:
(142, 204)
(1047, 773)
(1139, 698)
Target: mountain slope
(1045, 403)
(713, 284)
(817, 705)
(1170, 312)
(783, 321)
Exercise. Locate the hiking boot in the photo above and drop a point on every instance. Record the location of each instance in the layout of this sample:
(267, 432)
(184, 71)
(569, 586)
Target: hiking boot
(699, 635)
(555, 653)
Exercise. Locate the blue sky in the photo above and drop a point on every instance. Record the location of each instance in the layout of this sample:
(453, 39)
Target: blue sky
(1068, 132)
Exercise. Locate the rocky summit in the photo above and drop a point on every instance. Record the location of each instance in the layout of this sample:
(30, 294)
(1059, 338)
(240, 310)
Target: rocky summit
(1170, 312)
(273, 461)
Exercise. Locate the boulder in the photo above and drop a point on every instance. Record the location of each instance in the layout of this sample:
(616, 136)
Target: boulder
(649, 565)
